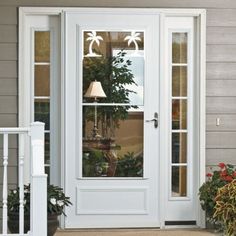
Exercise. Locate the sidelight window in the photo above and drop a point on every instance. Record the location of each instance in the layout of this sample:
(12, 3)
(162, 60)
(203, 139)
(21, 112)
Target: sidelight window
(41, 96)
(179, 109)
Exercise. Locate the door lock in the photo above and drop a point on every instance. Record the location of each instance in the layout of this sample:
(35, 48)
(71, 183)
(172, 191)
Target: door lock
(155, 120)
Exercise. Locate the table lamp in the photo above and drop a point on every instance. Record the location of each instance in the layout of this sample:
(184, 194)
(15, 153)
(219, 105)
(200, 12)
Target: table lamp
(95, 91)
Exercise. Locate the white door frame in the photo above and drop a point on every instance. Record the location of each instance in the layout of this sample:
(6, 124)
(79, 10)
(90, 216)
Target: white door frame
(199, 130)
(24, 86)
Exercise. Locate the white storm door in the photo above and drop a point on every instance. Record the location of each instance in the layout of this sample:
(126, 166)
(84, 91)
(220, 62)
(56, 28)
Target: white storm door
(111, 91)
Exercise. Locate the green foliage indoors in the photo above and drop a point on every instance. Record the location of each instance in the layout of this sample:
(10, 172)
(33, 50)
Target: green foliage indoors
(114, 74)
(95, 164)
(129, 166)
(225, 208)
(208, 190)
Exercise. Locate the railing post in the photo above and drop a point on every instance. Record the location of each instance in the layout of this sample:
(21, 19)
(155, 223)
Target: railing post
(5, 183)
(38, 208)
(21, 182)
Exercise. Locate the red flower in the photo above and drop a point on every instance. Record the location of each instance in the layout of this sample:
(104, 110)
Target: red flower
(228, 178)
(234, 174)
(209, 175)
(223, 173)
(221, 165)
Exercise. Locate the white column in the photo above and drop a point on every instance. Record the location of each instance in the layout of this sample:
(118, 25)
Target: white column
(38, 214)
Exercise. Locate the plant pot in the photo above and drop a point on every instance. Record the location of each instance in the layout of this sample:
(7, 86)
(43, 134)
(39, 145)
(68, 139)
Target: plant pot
(13, 223)
(53, 224)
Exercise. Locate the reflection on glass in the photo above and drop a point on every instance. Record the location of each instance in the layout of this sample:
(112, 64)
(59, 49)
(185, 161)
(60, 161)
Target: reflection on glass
(42, 46)
(179, 81)
(42, 111)
(42, 86)
(113, 132)
(179, 181)
(101, 43)
(136, 67)
(42, 80)
(121, 78)
(118, 150)
(179, 47)
(179, 147)
(116, 59)
(47, 148)
(179, 114)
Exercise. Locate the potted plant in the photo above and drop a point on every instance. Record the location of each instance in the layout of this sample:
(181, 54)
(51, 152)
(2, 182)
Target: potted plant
(115, 74)
(56, 201)
(208, 191)
(225, 208)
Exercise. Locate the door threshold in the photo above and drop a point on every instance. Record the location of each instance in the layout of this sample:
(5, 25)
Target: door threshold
(171, 228)
(108, 229)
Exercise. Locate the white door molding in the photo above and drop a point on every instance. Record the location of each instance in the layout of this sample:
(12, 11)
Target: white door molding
(30, 20)
(24, 86)
(199, 129)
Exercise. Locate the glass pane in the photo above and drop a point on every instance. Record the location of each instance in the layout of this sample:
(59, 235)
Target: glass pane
(47, 148)
(179, 147)
(179, 81)
(179, 47)
(42, 46)
(113, 147)
(179, 181)
(42, 111)
(47, 171)
(42, 81)
(116, 60)
(179, 114)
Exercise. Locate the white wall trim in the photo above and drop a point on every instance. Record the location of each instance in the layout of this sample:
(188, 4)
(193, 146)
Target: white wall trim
(22, 88)
(40, 10)
(63, 120)
(166, 11)
(202, 109)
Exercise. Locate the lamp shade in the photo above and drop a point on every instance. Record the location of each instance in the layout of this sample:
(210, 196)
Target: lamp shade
(95, 90)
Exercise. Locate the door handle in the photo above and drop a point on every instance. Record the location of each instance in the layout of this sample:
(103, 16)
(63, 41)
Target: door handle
(155, 120)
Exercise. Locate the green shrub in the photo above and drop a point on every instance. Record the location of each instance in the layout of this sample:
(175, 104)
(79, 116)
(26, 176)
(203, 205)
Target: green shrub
(225, 208)
(208, 190)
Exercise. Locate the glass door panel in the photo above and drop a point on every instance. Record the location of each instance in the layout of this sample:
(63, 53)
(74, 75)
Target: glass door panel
(113, 79)
(179, 47)
(179, 159)
(179, 81)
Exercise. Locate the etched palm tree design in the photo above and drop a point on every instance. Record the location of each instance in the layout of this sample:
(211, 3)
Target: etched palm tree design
(133, 38)
(94, 38)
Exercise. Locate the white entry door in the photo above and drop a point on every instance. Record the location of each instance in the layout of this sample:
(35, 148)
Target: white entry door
(131, 141)
(111, 118)
(132, 110)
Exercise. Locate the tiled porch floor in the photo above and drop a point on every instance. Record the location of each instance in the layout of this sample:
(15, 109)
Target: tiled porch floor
(136, 232)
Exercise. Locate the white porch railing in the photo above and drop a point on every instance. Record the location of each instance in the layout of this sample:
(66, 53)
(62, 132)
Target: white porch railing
(38, 180)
